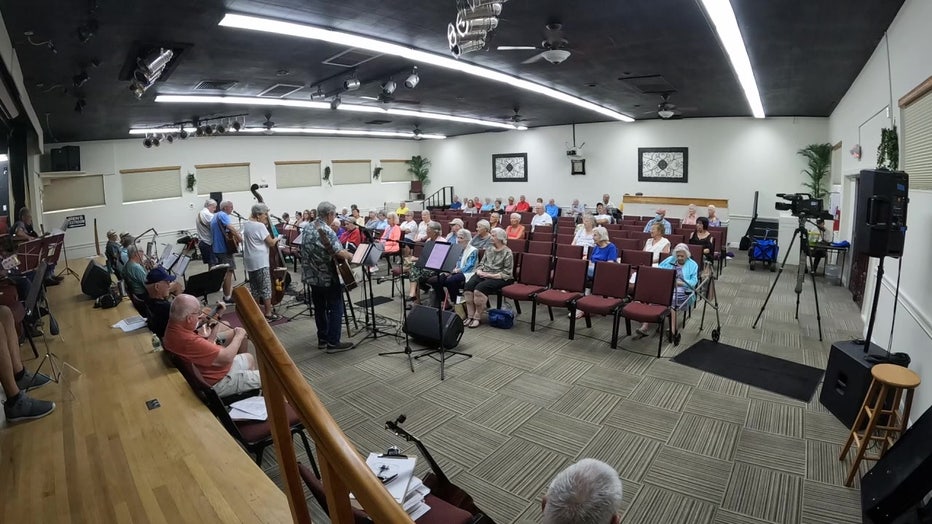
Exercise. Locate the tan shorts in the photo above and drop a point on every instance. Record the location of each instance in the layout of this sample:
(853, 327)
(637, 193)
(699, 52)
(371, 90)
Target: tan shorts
(239, 379)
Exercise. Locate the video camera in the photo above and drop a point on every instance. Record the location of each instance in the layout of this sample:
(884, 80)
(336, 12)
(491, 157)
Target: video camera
(801, 205)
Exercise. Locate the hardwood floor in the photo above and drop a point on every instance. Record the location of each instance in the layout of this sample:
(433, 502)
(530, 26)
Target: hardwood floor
(102, 456)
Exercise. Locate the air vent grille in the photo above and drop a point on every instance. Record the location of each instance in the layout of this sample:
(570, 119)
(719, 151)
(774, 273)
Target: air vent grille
(351, 58)
(280, 91)
(379, 122)
(649, 83)
(215, 85)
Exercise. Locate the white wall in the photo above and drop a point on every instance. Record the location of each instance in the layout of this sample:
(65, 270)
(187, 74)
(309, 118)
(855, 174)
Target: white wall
(728, 158)
(910, 64)
(169, 216)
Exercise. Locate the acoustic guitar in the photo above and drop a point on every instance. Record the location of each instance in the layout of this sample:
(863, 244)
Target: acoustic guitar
(232, 239)
(342, 266)
(438, 483)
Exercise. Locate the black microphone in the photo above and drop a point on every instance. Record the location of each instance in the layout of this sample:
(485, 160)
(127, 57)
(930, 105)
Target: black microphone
(239, 216)
(213, 312)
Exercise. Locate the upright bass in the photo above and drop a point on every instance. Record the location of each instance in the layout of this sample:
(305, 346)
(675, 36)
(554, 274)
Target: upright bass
(281, 279)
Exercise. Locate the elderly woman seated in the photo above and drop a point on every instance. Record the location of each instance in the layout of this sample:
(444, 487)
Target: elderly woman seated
(687, 278)
(603, 251)
(657, 244)
(482, 240)
(494, 272)
(515, 229)
(464, 270)
(584, 232)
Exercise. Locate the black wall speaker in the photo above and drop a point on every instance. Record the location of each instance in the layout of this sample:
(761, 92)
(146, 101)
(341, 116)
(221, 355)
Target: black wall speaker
(66, 158)
(902, 477)
(218, 197)
(423, 325)
(96, 280)
(847, 378)
(880, 214)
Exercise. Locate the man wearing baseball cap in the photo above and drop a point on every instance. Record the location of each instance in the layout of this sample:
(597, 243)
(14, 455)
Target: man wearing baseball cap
(161, 286)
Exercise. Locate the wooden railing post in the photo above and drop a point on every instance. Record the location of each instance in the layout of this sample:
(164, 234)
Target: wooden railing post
(338, 500)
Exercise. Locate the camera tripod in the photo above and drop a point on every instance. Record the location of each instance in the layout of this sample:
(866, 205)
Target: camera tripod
(802, 234)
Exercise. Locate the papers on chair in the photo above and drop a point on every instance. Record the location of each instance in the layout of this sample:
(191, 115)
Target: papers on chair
(414, 500)
(401, 467)
(130, 324)
(252, 408)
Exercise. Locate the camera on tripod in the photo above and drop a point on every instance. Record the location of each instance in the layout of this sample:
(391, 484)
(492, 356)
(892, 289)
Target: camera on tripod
(800, 204)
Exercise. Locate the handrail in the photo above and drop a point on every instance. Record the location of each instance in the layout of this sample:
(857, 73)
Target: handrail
(439, 198)
(342, 468)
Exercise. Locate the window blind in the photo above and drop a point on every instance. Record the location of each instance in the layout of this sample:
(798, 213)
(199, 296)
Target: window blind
(72, 192)
(917, 142)
(345, 172)
(297, 173)
(150, 183)
(222, 177)
(395, 171)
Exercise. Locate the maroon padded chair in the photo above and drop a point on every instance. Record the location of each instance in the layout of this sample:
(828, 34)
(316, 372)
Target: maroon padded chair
(653, 297)
(609, 294)
(517, 245)
(695, 252)
(540, 248)
(526, 218)
(569, 251)
(639, 235)
(561, 221)
(535, 276)
(631, 227)
(543, 230)
(541, 236)
(637, 257)
(565, 240)
(629, 244)
(675, 239)
(569, 284)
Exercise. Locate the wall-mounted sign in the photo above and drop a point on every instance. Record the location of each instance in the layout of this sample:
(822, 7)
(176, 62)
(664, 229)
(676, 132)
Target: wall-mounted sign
(75, 221)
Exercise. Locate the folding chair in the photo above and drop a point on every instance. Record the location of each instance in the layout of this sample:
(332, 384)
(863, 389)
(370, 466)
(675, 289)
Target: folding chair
(534, 277)
(609, 294)
(569, 284)
(517, 245)
(540, 248)
(626, 244)
(653, 297)
(568, 251)
(565, 240)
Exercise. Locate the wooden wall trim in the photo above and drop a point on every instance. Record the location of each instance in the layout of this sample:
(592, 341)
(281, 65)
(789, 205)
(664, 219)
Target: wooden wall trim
(675, 201)
(916, 92)
(395, 161)
(149, 169)
(295, 162)
(366, 161)
(216, 166)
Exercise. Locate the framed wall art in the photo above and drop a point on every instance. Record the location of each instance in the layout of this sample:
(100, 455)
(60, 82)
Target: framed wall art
(509, 167)
(663, 164)
(578, 166)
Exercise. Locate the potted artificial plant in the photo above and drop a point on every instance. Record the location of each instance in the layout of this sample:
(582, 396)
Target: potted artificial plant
(888, 152)
(819, 162)
(419, 167)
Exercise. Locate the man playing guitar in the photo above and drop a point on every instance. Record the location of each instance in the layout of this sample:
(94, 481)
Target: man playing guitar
(226, 244)
(320, 273)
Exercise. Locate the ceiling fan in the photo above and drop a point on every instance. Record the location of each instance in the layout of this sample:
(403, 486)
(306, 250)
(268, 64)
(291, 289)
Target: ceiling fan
(515, 118)
(554, 48)
(268, 124)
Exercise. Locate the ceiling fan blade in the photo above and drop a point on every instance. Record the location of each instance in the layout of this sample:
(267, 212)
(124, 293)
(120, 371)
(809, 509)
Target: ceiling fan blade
(535, 58)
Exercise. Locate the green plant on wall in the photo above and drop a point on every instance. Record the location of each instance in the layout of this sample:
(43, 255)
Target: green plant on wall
(419, 166)
(888, 152)
(818, 164)
(191, 181)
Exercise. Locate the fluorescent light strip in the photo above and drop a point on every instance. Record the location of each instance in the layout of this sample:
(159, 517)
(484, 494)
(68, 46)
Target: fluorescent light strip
(4, 158)
(726, 25)
(383, 47)
(295, 130)
(306, 104)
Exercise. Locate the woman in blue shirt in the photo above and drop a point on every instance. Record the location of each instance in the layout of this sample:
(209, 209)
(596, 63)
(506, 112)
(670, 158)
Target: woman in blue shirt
(464, 270)
(603, 251)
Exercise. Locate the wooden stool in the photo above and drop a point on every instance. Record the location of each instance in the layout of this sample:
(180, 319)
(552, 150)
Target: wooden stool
(889, 423)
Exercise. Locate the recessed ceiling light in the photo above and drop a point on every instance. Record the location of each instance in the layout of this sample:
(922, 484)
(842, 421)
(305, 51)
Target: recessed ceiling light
(726, 25)
(381, 46)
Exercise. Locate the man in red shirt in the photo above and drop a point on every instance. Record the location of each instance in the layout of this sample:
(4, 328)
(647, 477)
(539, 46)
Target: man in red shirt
(351, 236)
(219, 354)
(523, 206)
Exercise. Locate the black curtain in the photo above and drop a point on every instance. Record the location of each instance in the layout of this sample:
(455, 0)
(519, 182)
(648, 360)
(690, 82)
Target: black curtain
(19, 172)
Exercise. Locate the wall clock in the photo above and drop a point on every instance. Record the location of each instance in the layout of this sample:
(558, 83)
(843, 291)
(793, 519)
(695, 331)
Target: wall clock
(663, 164)
(510, 167)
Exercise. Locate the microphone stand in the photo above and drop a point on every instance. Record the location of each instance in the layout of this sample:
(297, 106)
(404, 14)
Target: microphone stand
(245, 281)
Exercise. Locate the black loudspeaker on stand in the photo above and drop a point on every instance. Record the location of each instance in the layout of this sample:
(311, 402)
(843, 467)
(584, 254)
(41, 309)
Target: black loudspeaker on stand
(892, 491)
(847, 378)
(96, 280)
(423, 327)
(880, 214)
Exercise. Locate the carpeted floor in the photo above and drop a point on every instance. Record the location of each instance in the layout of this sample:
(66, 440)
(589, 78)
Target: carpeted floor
(691, 447)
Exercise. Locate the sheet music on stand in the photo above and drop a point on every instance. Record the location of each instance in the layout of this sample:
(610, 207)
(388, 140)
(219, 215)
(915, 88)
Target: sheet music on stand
(167, 252)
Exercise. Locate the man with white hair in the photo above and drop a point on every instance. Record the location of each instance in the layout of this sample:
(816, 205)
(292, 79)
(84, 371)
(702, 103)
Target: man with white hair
(659, 219)
(587, 492)
(219, 226)
(540, 218)
(205, 239)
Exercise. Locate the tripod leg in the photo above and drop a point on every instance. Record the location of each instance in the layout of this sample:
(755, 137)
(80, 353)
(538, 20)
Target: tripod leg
(780, 272)
(818, 312)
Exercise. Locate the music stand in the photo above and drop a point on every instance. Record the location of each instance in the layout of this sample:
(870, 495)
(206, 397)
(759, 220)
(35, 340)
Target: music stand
(441, 258)
(366, 256)
(36, 288)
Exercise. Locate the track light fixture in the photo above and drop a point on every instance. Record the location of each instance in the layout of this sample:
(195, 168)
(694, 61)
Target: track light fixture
(147, 142)
(413, 79)
(88, 30)
(183, 134)
(170, 138)
(80, 105)
(80, 79)
(319, 94)
(389, 86)
(351, 83)
(237, 126)
(148, 70)
(335, 103)
(209, 130)
(156, 141)
(221, 129)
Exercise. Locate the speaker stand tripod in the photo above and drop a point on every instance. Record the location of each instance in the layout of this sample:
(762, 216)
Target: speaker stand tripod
(404, 321)
(443, 350)
(801, 270)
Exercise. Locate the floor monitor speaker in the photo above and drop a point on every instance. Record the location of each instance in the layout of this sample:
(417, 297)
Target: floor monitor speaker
(66, 158)
(896, 484)
(423, 325)
(96, 280)
(847, 378)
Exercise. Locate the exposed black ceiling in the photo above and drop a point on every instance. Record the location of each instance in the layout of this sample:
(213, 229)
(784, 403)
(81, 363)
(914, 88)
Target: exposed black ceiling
(805, 56)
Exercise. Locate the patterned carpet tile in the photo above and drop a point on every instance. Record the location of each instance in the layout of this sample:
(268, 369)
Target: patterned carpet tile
(344, 414)
(344, 381)
(417, 382)
(763, 394)
(457, 395)
(717, 384)
(499, 504)
(775, 417)
(377, 400)
(724, 516)
(661, 393)
(689, 474)
(824, 504)
(648, 421)
(628, 453)
(522, 468)
(469, 441)
(824, 426)
(823, 464)
(673, 372)
(420, 416)
(706, 436)
(502, 414)
(718, 405)
(541, 391)
(562, 369)
(491, 375)
(655, 504)
(521, 358)
(586, 404)
(557, 432)
(385, 369)
(586, 349)
(370, 438)
(609, 381)
(628, 362)
(772, 451)
(765, 494)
